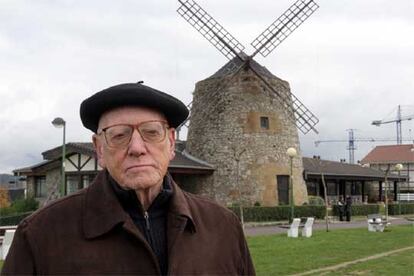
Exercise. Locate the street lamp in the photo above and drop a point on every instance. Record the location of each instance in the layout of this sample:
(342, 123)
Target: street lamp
(398, 168)
(291, 152)
(59, 123)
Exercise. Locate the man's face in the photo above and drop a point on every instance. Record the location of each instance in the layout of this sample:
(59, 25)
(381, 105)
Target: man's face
(139, 165)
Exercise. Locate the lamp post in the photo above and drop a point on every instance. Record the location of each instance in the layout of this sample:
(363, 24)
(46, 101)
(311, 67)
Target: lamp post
(60, 123)
(386, 193)
(291, 152)
(398, 168)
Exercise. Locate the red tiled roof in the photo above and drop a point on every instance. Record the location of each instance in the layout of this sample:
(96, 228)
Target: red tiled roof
(390, 154)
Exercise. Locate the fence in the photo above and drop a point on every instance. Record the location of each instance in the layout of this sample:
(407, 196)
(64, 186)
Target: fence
(405, 197)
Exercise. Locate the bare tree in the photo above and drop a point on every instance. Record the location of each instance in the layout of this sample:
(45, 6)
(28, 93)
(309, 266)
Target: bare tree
(317, 161)
(325, 193)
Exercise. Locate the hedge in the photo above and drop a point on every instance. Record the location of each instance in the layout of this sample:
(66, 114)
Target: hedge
(20, 206)
(277, 213)
(13, 219)
(406, 208)
(359, 210)
(19, 209)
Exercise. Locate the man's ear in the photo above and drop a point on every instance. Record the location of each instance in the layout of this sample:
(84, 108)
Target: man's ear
(98, 145)
(171, 138)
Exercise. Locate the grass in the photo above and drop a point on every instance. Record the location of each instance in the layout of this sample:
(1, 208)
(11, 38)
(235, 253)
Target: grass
(279, 255)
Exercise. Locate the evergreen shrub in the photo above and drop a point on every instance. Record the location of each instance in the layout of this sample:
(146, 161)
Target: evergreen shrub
(406, 208)
(359, 210)
(278, 213)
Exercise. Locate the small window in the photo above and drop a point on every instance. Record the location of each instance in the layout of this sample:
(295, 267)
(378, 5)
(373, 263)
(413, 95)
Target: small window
(40, 186)
(72, 184)
(264, 122)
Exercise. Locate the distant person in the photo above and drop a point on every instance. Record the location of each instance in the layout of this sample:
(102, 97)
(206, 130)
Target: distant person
(348, 207)
(133, 219)
(341, 208)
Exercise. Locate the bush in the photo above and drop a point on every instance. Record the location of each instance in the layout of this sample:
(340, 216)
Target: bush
(25, 205)
(4, 198)
(359, 210)
(406, 208)
(277, 213)
(316, 200)
(19, 209)
(316, 211)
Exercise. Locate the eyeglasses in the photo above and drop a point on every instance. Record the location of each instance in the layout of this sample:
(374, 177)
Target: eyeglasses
(119, 136)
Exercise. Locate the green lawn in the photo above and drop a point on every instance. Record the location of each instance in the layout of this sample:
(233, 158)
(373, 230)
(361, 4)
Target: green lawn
(279, 255)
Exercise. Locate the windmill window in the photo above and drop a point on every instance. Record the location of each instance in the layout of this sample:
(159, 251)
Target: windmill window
(40, 186)
(264, 122)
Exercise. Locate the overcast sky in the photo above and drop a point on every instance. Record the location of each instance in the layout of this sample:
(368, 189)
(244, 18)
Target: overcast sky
(350, 63)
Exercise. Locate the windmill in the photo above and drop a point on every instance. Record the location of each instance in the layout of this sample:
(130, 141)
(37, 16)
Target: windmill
(264, 44)
(244, 110)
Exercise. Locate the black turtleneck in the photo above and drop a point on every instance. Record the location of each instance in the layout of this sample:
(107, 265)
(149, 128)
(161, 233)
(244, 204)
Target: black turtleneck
(152, 222)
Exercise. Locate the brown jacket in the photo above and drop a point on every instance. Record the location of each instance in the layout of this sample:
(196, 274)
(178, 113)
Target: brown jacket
(89, 233)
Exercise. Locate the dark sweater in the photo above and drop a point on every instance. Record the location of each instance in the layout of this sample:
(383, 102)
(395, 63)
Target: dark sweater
(153, 222)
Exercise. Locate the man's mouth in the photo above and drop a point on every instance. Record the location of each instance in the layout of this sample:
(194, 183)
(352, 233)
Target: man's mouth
(139, 167)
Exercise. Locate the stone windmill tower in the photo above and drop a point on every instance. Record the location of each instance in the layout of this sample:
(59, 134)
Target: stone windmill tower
(243, 118)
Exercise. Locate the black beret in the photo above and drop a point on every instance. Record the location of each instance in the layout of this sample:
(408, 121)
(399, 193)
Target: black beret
(131, 94)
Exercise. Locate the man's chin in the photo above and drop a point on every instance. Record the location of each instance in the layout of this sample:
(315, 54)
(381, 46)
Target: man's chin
(140, 183)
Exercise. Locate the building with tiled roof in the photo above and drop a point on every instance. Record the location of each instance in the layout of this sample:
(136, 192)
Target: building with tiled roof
(361, 183)
(385, 158)
(390, 154)
(81, 167)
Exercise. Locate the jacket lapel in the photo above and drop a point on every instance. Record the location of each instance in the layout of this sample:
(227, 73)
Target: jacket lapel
(180, 218)
(101, 209)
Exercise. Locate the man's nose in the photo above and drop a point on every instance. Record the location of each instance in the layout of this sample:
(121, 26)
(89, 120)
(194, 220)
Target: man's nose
(137, 145)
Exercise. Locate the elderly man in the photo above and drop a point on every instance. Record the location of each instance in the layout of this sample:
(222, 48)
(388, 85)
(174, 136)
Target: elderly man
(133, 219)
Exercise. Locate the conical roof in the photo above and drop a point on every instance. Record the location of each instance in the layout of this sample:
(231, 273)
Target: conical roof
(231, 66)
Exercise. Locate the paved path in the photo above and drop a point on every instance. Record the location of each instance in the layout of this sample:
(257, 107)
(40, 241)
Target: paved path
(319, 224)
(342, 265)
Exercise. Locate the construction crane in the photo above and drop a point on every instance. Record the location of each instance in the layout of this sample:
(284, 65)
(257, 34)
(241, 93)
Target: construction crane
(398, 121)
(351, 143)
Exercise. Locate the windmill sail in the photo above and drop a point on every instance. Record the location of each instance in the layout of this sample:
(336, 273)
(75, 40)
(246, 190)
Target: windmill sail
(210, 29)
(282, 27)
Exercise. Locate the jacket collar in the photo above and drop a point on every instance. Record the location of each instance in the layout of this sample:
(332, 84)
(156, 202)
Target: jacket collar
(179, 206)
(102, 210)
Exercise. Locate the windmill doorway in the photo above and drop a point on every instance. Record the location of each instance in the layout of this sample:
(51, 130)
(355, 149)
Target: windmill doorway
(283, 189)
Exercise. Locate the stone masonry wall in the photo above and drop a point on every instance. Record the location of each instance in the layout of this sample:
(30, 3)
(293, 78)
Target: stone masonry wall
(225, 126)
(53, 182)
